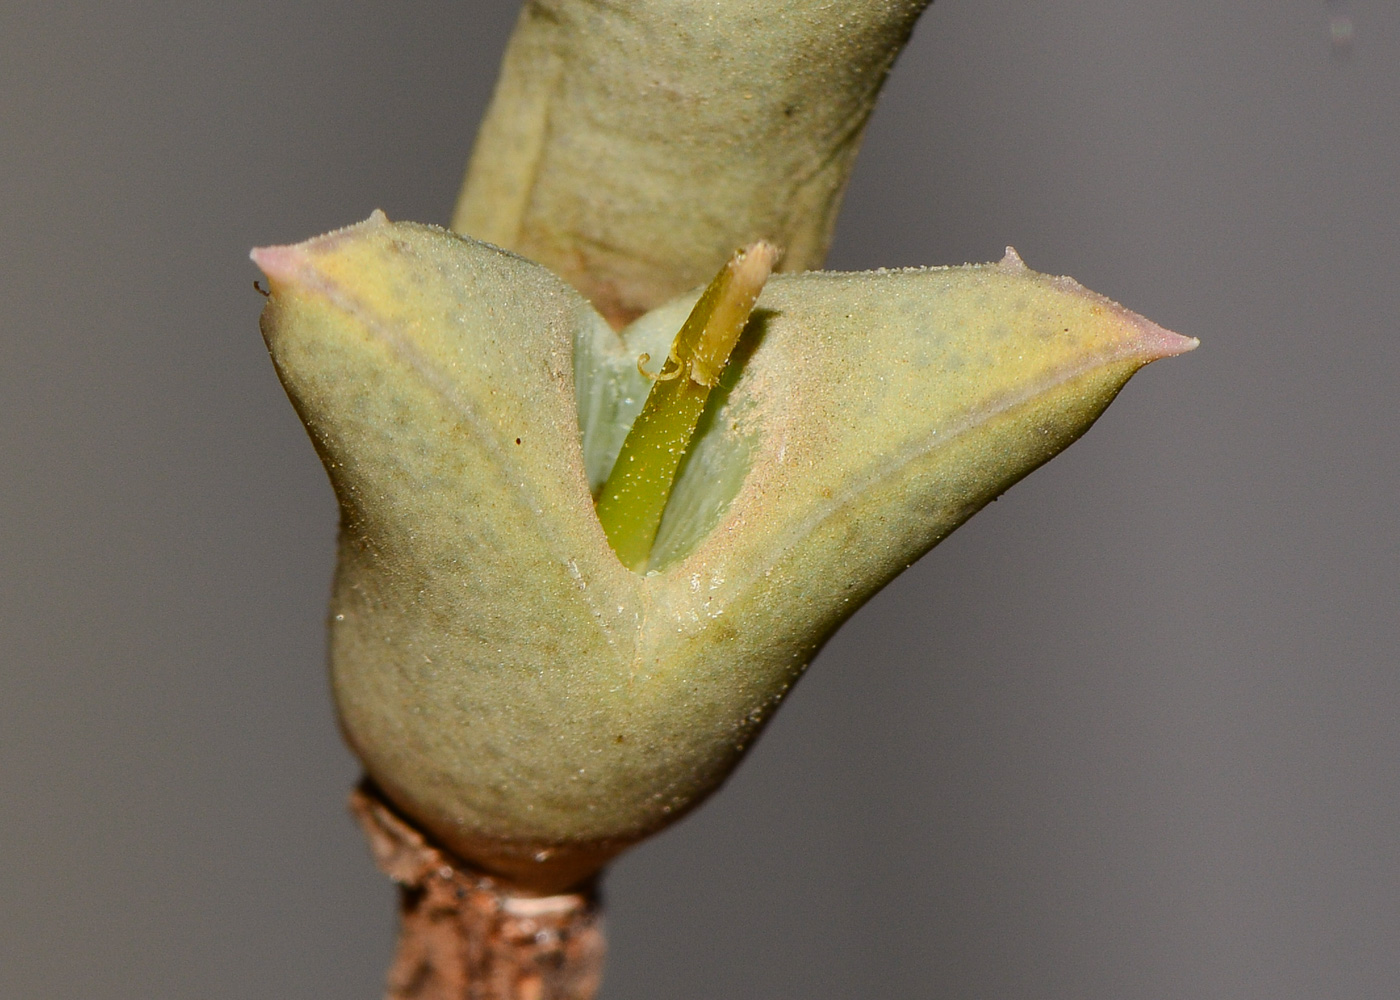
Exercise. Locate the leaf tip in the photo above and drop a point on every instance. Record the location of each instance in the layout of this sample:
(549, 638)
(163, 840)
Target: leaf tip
(287, 264)
(1153, 342)
(1146, 340)
(281, 264)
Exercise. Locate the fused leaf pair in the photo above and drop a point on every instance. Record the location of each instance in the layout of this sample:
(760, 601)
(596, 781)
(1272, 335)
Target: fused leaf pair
(531, 701)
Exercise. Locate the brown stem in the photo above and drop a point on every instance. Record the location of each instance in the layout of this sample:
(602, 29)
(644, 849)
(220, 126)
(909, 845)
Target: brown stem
(466, 935)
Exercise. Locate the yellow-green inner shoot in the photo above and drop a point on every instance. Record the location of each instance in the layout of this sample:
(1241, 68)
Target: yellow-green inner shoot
(635, 495)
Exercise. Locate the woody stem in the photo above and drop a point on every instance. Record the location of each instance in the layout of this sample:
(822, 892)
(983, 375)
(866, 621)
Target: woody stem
(467, 935)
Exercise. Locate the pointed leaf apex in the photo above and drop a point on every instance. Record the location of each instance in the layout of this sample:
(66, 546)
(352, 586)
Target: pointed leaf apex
(286, 263)
(1158, 342)
(1151, 343)
(1147, 341)
(281, 263)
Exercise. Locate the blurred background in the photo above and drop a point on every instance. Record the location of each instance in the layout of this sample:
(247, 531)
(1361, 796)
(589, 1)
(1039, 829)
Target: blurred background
(1134, 732)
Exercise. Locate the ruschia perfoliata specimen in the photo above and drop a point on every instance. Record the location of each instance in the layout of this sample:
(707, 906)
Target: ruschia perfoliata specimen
(532, 702)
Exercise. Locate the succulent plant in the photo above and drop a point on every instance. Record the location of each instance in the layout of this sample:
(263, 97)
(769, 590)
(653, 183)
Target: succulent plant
(574, 582)
(507, 681)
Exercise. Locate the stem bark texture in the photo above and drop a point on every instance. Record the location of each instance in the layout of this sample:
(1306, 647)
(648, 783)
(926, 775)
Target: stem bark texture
(467, 935)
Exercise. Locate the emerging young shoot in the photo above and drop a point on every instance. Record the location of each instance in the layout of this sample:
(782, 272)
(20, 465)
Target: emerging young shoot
(635, 495)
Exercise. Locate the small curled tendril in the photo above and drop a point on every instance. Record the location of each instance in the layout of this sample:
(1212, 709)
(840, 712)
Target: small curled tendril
(665, 374)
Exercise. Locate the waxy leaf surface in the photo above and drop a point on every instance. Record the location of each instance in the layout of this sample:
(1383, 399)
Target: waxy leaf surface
(533, 703)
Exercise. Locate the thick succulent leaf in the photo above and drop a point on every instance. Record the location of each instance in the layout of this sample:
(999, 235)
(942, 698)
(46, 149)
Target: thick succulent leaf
(530, 701)
(873, 414)
(476, 599)
(633, 146)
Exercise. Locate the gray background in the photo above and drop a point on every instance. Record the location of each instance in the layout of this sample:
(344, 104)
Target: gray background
(1131, 733)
